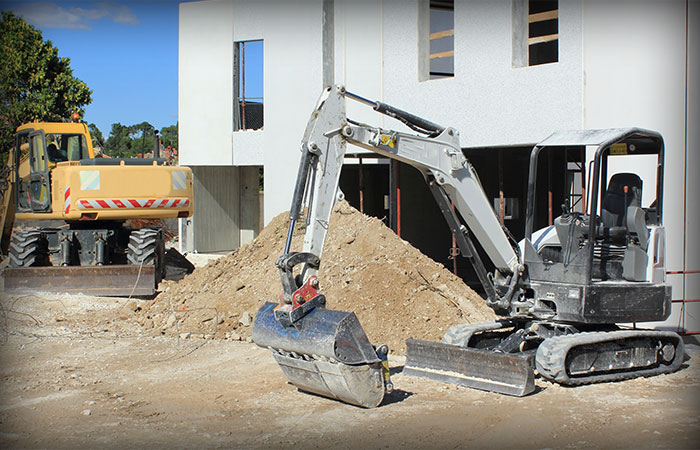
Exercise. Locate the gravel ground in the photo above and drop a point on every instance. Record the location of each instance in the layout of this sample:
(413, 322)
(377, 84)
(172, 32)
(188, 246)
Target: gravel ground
(79, 372)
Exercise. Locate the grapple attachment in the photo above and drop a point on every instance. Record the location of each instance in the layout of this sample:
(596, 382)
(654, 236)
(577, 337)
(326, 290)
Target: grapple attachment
(325, 352)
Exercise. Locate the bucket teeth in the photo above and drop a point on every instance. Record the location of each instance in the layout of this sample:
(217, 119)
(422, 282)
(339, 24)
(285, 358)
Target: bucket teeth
(360, 385)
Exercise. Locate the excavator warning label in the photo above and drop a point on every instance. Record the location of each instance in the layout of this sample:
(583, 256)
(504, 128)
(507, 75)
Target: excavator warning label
(618, 149)
(388, 140)
(89, 180)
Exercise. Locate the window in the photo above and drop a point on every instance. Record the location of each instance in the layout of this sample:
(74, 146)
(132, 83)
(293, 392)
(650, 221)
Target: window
(535, 32)
(38, 153)
(442, 41)
(543, 32)
(66, 147)
(248, 85)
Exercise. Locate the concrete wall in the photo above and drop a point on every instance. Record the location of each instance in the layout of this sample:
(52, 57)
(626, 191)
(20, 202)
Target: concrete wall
(293, 82)
(635, 75)
(224, 218)
(216, 207)
(205, 68)
(491, 102)
(291, 34)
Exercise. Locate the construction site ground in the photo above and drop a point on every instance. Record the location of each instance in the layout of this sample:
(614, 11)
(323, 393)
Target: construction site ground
(76, 374)
(179, 370)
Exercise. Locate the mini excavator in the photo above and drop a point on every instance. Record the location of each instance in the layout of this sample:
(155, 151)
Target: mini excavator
(563, 292)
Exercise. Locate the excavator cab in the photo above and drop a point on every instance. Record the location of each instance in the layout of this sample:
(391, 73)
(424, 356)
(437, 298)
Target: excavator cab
(582, 268)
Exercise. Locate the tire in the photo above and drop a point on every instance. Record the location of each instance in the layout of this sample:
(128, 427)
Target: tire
(29, 248)
(147, 246)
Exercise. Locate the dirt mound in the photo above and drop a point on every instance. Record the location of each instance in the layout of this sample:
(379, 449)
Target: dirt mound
(396, 291)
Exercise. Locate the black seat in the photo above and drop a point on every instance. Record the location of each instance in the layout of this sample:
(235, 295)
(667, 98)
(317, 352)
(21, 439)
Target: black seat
(56, 154)
(616, 201)
(52, 150)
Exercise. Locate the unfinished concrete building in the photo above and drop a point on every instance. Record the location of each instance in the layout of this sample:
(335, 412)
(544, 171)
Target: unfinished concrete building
(505, 73)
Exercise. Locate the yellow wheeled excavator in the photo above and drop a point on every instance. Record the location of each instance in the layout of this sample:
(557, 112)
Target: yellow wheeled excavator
(74, 208)
(562, 291)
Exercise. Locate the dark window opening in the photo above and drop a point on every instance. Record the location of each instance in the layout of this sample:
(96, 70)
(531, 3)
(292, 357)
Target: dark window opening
(543, 32)
(66, 147)
(248, 111)
(442, 41)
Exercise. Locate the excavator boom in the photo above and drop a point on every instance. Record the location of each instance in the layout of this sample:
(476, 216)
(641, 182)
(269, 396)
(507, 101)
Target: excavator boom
(299, 330)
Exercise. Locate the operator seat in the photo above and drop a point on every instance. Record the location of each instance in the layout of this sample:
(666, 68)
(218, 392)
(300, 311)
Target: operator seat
(616, 202)
(52, 150)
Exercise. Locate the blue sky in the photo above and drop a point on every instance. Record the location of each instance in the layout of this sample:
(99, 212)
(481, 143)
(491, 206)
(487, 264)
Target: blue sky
(126, 52)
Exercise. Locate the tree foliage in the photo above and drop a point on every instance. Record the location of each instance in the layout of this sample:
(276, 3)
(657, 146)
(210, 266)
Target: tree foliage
(130, 141)
(98, 139)
(168, 136)
(118, 144)
(35, 83)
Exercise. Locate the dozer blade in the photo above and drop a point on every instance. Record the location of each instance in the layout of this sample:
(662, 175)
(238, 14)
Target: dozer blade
(506, 373)
(116, 280)
(326, 352)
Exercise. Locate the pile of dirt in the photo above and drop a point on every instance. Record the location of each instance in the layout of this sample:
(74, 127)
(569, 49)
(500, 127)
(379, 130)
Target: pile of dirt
(396, 291)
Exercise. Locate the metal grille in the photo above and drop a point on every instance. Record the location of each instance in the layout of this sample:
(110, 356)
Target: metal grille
(251, 115)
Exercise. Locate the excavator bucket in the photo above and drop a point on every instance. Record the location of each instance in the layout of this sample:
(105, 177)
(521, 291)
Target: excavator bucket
(506, 373)
(326, 352)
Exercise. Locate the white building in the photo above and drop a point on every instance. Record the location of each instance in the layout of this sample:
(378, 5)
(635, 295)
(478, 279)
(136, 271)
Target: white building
(509, 74)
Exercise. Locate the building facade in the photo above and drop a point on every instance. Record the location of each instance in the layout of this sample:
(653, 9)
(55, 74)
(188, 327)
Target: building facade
(505, 73)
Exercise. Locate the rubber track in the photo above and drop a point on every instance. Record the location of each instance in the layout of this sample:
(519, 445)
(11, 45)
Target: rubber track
(28, 248)
(460, 334)
(551, 356)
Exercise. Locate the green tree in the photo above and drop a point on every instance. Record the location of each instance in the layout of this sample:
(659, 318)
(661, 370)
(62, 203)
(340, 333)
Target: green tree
(97, 139)
(119, 144)
(168, 136)
(128, 141)
(35, 83)
(143, 136)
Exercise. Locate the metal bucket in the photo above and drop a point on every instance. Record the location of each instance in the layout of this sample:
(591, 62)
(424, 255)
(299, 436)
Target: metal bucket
(326, 352)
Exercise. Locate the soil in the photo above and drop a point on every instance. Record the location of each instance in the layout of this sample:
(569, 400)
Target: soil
(79, 372)
(395, 291)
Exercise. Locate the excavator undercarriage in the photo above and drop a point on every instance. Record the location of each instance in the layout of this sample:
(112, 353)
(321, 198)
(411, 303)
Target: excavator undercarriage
(501, 356)
(562, 290)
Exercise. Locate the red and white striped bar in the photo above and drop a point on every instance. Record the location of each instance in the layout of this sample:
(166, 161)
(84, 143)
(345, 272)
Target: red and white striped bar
(134, 203)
